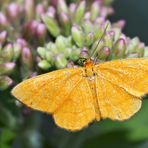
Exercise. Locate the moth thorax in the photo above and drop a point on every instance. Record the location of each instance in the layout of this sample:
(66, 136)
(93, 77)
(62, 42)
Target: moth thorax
(89, 73)
(88, 63)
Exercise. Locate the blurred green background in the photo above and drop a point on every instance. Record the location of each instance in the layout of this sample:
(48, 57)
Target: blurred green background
(37, 130)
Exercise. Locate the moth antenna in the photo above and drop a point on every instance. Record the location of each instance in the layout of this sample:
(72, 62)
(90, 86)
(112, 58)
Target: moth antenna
(99, 42)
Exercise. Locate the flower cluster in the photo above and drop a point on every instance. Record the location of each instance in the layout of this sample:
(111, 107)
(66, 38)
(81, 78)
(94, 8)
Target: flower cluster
(36, 36)
(77, 30)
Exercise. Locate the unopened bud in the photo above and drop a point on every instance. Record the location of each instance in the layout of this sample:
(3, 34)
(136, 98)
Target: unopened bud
(78, 35)
(89, 39)
(72, 8)
(140, 49)
(45, 65)
(104, 53)
(29, 9)
(95, 9)
(65, 21)
(60, 61)
(21, 42)
(3, 19)
(62, 6)
(17, 50)
(6, 68)
(120, 24)
(51, 25)
(41, 32)
(41, 51)
(51, 12)
(70, 64)
(84, 52)
(146, 52)
(74, 54)
(108, 39)
(27, 57)
(8, 52)
(13, 11)
(60, 43)
(40, 10)
(79, 13)
(5, 82)
(119, 49)
(133, 44)
(3, 36)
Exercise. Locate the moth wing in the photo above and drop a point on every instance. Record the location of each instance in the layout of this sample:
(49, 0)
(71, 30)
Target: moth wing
(63, 93)
(78, 111)
(47, 92)
(115, 102)
(130, 74)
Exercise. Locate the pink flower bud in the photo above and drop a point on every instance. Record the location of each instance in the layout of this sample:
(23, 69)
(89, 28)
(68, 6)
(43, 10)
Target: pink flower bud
(3, 19)
(41, 31)
(3, 36)
(13, 11)
(40, 9)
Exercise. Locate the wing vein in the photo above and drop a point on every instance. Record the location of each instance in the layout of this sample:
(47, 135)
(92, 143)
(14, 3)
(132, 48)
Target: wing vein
(66, 97)
(108, 100)
(56, 80)
(119, 87)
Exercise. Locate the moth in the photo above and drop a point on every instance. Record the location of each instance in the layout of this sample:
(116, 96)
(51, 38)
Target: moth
(77, 96)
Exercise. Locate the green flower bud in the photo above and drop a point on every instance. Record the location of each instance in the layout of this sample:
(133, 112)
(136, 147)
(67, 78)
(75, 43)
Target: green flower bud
(89, 39)
(75, 53)
(7, 53)
(79, 13)
(51, 25)
(41, 51)
(45, 65)
(133, 44)
(60, 61)
(27, 62)
(65, 22)
(30, 9)
(117, 33)
(104, 53)
(17, 50)
(49, 57)
(5, 82)
(78, 35)
(108, 39)
(95, 9)
(97, 46)
(88, 26)
(52, 48)
(72, 8)
(26, 57)
(140, 49)
(60, 43)
(6, 68)
(146, 52)
(62, 6)
(99, 30)
(118, 51)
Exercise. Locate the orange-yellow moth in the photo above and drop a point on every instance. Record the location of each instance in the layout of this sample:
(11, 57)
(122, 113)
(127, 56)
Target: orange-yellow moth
(77, 96)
